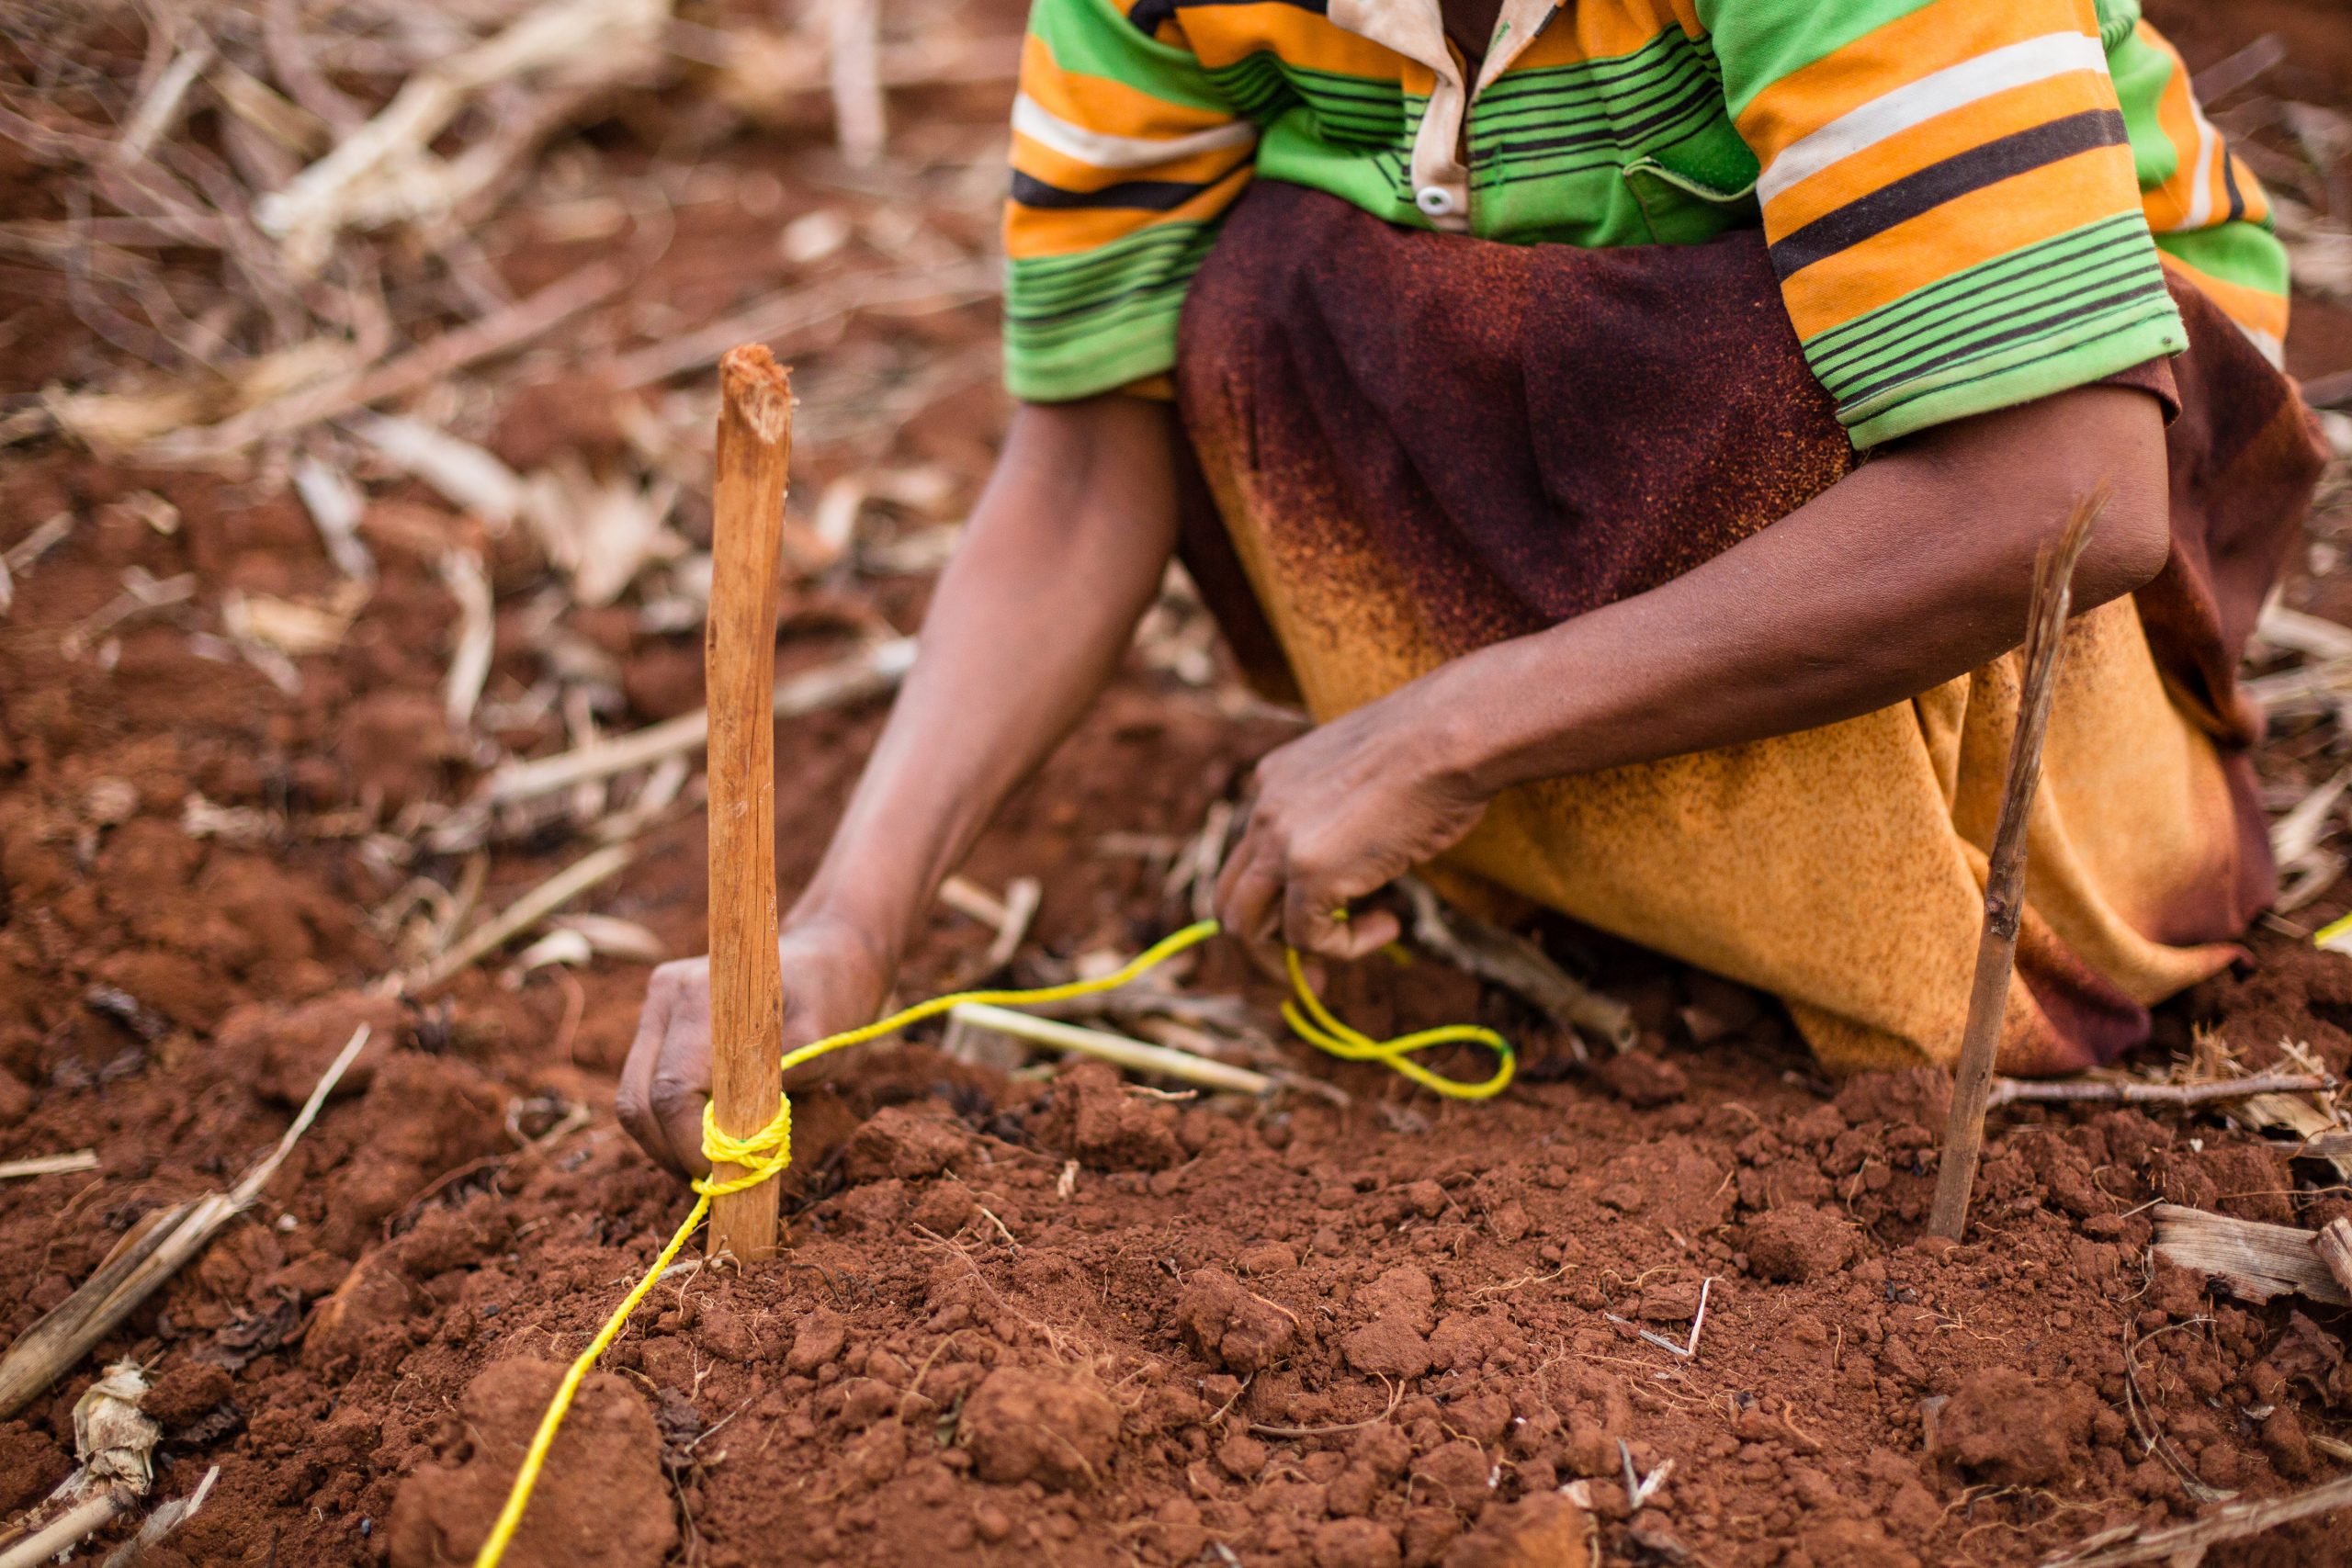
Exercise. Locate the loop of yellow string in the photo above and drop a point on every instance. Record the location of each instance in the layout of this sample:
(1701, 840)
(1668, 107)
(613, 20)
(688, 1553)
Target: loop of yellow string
(1313, 1022)
(763, 1155)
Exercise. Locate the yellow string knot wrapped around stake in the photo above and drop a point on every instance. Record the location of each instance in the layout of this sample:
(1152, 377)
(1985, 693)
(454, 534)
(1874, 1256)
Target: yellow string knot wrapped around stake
(765, 1154)
(762, 1156)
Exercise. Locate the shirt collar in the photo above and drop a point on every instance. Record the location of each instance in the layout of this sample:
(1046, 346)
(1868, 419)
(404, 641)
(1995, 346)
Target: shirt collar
(1416, 29)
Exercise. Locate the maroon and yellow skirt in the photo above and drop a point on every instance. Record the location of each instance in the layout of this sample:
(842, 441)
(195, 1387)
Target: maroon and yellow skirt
(1419, 444)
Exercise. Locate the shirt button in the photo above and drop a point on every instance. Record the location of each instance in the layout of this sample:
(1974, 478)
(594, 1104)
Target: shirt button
(1435, 200)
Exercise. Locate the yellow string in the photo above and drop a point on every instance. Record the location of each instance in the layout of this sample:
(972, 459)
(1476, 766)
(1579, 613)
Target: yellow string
(1312, 1021)
(764, 1154)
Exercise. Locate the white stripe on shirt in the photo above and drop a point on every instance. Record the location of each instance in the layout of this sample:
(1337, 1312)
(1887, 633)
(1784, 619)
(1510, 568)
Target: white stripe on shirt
(2203, 178)
(1103, 150)
(1939, 92)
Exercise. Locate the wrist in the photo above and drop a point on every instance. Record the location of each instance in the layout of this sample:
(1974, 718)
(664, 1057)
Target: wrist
(871, 948)
(1455, 739)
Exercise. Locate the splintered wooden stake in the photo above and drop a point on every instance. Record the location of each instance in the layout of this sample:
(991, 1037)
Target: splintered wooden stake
(2045, 638)
(738, 664)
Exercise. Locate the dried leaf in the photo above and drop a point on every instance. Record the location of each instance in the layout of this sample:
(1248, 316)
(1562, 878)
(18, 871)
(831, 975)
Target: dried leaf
(292, 627)
(614, 937)
(601, 533)
(114, 1441)
(386, 171)
(469, 476)
(335, 504)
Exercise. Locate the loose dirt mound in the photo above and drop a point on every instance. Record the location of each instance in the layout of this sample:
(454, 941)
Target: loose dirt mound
(601, 1501)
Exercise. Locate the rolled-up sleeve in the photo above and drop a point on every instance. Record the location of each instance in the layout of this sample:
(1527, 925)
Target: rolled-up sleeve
(1949, 195)
(1125, 158)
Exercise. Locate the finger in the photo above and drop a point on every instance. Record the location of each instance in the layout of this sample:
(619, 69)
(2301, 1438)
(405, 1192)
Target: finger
(1239, 854)
(1316, 920)
(633, 1099)
(677, 1102)
(1249, 905)
(1368, 932)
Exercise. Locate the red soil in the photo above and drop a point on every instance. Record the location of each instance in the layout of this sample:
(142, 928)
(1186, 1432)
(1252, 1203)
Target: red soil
(1281, 1335)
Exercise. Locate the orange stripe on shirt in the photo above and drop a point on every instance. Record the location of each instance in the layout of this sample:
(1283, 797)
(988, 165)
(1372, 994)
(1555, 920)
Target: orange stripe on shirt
(1032, 231)
(2167, 205)
(1595, 30)
(2250, 191)
(2005, 216)
(1100, 104)
(1034, 158)
(1220, 35)
(1930, 142)
(2257, 310)
(1886, 59)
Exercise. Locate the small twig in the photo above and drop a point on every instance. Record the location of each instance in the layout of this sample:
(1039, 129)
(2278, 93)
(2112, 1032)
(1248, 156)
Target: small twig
(854, 72)
(2226, 76)
(1980, 1041)
(2125, 1091)
(1395, 1397)
(48, 1164)
(167, 1518)
(468, 585)
(453, 351)
(1196, 868)
(2152, 1436)
(70, 1529)
(1023, 895)
(784, 316)
(990, 1214)
(20, 557)
(140, 594)
(336, 503)
(1805, 1440)
(1226, 1409)
(1134, 1055)
(1517, 964)
(155, 113)
(970, 899)
(1010, 917)
(514, 919)
(2297, 832)
(870, 672)
(1640, 1489)
(1685, 1350)
(2187, 1543)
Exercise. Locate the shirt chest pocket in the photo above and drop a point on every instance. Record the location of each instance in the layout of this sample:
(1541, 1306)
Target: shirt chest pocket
(1680, 158)
(1683, 209)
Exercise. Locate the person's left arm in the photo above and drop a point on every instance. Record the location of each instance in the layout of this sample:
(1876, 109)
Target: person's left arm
(1948, 199)
(1914, 569)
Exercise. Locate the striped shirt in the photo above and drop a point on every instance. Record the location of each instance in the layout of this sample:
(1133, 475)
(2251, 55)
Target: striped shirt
(1969, 203)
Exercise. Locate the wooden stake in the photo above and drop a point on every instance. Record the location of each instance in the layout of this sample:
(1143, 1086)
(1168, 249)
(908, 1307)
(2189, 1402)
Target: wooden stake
(2045, 637)
(739, 665)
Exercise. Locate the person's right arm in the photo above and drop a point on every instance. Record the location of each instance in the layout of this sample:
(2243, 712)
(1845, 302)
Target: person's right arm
(1063, 554)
